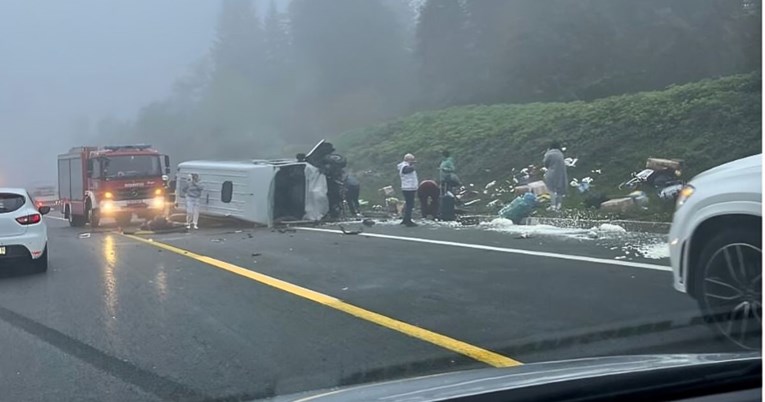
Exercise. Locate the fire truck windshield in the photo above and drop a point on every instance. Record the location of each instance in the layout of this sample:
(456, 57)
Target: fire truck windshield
(131, 166)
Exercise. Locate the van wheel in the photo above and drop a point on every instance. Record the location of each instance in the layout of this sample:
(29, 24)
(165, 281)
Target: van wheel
(729, 286)
(41, 263)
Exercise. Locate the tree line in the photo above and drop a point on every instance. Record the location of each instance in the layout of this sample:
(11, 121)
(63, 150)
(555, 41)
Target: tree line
(273, 83)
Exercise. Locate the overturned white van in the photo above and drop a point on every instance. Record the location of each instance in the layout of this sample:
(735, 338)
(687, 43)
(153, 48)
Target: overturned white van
(258, 191)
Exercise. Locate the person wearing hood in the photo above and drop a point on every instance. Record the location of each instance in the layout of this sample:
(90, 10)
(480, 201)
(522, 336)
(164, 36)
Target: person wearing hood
(192, 191)
(556, 177)
(409, 184)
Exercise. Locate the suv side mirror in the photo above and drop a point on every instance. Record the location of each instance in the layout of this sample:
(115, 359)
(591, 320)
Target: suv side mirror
(167, 164)
(44, 210)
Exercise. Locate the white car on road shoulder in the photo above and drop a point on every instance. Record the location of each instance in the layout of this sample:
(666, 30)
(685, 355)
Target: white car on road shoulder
(716, 248)
(23, 234)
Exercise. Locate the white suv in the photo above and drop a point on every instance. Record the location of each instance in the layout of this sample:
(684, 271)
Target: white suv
(716, 248)
(23, 234)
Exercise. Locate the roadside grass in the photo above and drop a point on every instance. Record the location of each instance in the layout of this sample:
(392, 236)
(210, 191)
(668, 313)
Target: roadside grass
(705, 123)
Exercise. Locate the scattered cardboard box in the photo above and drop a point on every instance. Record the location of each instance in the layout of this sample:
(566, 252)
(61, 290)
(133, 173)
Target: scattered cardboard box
(618, 204)
(538, 187)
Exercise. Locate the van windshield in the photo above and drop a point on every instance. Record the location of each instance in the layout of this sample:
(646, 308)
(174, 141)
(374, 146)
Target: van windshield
(131, 166)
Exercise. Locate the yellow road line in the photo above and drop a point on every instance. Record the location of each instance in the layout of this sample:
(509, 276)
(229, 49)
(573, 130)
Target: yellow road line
(474, 352)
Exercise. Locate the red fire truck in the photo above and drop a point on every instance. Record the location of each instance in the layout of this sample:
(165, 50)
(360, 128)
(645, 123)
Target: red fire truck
(112, 182)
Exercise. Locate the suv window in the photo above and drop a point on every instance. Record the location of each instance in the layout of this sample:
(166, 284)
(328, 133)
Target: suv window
(10, 202)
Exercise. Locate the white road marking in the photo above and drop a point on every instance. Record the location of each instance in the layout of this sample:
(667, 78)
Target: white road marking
(506, 250)
(56, 218)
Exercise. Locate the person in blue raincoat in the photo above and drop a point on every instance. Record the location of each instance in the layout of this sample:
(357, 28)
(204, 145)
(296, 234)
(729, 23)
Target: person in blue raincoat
(556, 177)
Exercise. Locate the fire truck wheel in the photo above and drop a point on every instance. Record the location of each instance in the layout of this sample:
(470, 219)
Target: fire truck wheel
(124, 219)
(95, 218)
(76, 220)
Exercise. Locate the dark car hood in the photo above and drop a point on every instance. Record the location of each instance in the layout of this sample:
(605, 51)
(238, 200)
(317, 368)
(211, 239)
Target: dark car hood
(473, 382)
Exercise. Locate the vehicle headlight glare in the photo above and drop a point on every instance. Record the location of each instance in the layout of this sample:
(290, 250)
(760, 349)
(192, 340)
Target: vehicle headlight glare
(685, 193)
(158, 202)
(107, 207)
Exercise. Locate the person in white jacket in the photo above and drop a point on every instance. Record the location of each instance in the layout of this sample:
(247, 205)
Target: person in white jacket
(409, 184)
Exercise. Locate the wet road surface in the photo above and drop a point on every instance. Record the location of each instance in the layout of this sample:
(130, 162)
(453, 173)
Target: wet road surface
(254, 313)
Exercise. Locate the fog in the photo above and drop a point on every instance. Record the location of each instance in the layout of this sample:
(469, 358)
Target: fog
(239, 79)
(65, 62)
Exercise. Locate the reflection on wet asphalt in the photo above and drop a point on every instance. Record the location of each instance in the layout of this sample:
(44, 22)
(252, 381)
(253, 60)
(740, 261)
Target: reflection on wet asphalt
(117, 319)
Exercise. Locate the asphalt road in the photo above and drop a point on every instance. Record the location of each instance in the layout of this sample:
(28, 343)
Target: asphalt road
(238, 314)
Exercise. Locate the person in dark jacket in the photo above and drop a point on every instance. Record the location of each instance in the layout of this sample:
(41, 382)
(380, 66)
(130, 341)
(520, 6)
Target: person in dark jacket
(556, 177)
(352, 191)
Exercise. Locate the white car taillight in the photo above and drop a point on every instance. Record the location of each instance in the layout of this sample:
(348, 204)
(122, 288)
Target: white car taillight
(29, 219)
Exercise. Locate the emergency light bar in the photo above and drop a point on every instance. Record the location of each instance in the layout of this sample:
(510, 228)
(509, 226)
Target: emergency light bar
(118, 147)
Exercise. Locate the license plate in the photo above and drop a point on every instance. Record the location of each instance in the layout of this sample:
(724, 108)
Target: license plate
(2, 250)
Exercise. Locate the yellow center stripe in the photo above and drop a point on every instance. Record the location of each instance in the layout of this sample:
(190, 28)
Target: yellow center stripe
(474, 352)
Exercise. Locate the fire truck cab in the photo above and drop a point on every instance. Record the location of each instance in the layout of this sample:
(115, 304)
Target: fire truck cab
(112, 182)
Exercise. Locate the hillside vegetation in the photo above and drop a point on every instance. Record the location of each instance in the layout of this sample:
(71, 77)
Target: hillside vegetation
(705, 123)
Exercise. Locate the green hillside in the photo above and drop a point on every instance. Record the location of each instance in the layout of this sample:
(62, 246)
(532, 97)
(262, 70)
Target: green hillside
(706, 123)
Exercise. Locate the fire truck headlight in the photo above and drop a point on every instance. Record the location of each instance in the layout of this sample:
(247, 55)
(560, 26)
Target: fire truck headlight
(107, 207)
(108, 195)
(158, 202)
(158, 191)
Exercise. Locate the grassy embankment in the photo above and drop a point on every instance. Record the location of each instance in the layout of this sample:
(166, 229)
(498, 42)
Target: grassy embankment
(706, 123)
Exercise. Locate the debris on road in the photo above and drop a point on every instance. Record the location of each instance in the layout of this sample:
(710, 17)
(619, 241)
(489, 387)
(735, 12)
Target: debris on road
(538, 187)
(349, 232)
(256, 254)
(609, 227)
(469, 220)
(218, 240)
(661, 163)
(640, 199)
(84, 235)
(670, 192)
(387, 191)
(494, 203)
(618, 204)
(368, 222)
(521, 207)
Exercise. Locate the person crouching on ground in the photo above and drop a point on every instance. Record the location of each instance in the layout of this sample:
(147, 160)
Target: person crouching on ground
(409, 183)
(192, 190)
(556, 177)
(428, 194)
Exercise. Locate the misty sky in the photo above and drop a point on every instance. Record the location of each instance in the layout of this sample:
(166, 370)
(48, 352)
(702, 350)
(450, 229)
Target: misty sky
(63, 60)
